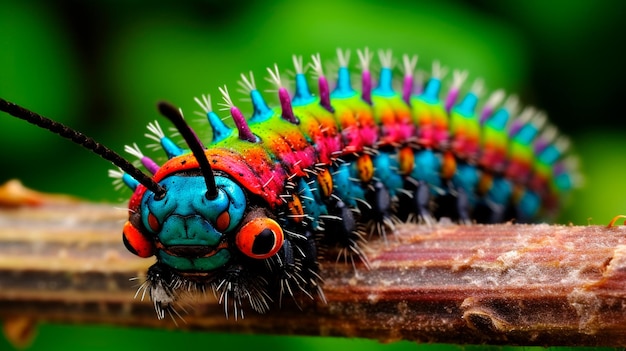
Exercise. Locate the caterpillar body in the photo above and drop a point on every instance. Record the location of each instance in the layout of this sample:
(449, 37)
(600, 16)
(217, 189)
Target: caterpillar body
(245, 215)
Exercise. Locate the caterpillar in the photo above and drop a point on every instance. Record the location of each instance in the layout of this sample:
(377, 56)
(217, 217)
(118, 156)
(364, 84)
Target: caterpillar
(246, 214)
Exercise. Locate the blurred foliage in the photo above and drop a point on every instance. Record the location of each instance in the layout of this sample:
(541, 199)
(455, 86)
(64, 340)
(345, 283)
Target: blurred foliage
(100, 67)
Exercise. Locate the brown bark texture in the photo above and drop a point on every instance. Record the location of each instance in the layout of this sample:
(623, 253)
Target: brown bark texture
(62, 260)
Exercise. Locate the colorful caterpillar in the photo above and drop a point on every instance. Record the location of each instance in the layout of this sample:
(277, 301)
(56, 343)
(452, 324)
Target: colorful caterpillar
(246, 215)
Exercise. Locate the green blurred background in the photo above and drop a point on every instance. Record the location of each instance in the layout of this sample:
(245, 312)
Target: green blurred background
(101, 66)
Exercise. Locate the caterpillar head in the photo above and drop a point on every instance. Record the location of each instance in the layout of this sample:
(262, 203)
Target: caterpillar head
(190, 231)
(195, 220)
(202, 225)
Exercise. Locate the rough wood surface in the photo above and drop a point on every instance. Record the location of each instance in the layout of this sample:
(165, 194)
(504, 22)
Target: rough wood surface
(62, 260)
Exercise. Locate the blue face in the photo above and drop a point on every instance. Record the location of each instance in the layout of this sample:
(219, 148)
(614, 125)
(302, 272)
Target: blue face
(189, 228)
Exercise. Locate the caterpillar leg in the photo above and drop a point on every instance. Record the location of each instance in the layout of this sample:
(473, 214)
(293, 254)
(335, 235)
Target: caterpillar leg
(238, 286)
(377, 210)
(463, 206)
(298, 268)
(490, 212)
(342, 228)
(421, 203)
(454, 204)
(378, 203)
(494, 205)
(289, 277)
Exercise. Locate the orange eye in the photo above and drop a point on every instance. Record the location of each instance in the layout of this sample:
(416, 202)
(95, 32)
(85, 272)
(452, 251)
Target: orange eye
(136, 242)
(260, 238)
(153, 222)
(223, 221)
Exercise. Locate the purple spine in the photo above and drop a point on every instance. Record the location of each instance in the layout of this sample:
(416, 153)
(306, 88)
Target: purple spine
(366, 82)
(324, 93)
(407, 88)
(285, 105)
(242, 126)
(451, 98)
(150, 165)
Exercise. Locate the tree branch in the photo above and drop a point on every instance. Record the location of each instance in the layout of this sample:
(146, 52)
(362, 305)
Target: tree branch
(62, 260)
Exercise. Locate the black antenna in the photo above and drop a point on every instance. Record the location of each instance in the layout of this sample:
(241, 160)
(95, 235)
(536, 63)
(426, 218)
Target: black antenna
(177, 119)
(84, 141)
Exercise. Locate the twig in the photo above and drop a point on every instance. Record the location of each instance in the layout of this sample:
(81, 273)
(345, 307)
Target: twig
(62, 260)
